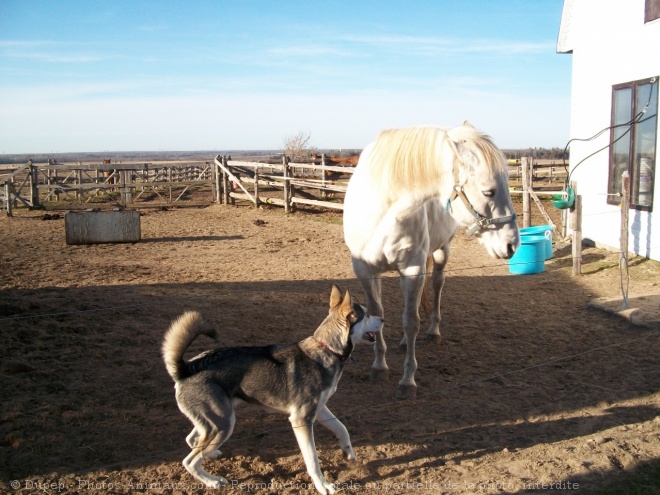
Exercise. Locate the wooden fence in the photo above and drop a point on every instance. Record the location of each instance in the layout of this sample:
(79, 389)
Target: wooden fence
(223, 180)
(286, 184)
(79, 185)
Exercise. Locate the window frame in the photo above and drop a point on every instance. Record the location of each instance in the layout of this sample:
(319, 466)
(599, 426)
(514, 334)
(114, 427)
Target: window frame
(613, 198)
(651, 10)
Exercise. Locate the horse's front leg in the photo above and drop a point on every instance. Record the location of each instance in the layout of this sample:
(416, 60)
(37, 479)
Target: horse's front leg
(440, 258)
(371, 285)
(412, 283)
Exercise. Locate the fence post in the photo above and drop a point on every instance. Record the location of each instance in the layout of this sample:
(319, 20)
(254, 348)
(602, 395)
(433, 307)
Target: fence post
(216, 177)
(34, 190)
(292, 187)
(79, 183)
(324, 194)
(287, 185)
(625, 207)
(256, 187)
(214, 182)
(8, 198)
(53, 179)
(225, 182)
(125, 187)
(576, 225)
(526, 165)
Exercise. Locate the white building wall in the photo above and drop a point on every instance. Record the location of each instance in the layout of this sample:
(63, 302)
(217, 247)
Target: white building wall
(611, 45)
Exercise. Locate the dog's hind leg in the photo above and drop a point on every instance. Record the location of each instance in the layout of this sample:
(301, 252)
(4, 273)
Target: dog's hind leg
(214, 423)
(303, 429)
(327, 419)
(191, 440)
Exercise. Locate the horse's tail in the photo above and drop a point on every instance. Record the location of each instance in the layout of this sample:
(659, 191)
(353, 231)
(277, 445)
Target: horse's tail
(425, 304)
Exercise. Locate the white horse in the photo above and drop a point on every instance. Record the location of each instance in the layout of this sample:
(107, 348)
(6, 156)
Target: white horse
(401, 212)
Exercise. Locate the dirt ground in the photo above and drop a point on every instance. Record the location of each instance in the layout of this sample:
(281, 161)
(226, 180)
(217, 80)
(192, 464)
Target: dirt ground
(530, 390)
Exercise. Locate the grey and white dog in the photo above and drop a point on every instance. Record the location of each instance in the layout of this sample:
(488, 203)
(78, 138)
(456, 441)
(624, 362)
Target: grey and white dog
(294, 379)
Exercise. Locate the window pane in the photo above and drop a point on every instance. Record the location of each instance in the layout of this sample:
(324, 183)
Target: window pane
(620, 139)
(643, 165)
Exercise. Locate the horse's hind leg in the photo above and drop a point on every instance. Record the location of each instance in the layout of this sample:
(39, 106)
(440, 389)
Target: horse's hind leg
(371, 285)
(440, 258)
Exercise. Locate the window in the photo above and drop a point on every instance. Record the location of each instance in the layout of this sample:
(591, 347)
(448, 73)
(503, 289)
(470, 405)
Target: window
(651, 10)
(633, 141)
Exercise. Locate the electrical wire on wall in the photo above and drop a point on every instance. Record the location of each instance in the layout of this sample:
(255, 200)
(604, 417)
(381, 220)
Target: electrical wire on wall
(637, 119)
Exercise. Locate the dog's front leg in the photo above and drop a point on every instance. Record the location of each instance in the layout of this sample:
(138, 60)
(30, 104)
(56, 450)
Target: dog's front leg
(327, 419)
(303, 429)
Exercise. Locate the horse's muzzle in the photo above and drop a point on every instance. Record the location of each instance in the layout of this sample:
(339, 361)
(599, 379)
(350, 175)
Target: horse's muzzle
(510, 250)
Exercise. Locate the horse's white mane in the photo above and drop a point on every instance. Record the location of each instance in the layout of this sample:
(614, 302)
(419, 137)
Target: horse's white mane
(411, 159)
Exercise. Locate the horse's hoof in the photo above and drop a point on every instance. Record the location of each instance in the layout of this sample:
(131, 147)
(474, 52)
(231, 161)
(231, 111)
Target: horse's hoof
(406, 392)
(434, 338)
(379, 375)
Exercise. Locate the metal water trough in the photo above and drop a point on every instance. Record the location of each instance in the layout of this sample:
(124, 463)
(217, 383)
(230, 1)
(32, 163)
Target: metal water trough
(99, 227)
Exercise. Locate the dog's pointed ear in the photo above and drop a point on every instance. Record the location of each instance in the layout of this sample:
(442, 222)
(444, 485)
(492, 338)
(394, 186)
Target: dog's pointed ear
(467, 124)
(347, 304)
(335, 297)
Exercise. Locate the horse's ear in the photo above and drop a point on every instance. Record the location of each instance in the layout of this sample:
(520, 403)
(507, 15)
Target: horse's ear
(467, 161)
(467, 124)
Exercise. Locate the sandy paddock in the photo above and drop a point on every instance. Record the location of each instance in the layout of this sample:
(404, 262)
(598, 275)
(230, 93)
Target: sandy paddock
(529, 391)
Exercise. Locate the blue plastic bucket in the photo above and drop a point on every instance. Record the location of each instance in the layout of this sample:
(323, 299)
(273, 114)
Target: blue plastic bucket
(544, 230)
(530, 255)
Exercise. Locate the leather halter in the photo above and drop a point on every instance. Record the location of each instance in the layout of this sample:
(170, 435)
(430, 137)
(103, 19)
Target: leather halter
(481, 221)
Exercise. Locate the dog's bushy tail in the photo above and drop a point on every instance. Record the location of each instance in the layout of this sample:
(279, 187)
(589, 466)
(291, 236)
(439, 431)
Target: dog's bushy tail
(178, 338)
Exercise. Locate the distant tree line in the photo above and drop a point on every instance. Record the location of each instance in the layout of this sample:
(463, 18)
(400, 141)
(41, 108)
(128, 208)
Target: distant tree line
(128, 156)
(540, 153)
(297, 146)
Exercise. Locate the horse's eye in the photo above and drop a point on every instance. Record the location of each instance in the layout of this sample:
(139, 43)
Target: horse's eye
(489, 193)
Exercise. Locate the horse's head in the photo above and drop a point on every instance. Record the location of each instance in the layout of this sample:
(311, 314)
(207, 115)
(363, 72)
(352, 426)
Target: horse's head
(480, 200)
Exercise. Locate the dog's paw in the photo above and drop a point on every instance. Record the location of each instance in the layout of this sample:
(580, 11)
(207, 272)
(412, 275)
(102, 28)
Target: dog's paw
(217, 482)
(329, 487)
(349, 455)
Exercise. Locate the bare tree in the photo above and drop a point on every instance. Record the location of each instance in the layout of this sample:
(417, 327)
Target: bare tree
(297, 147)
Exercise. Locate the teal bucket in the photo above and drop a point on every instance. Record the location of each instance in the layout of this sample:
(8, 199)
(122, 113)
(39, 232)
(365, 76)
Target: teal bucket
(530, 255)
(544, 230)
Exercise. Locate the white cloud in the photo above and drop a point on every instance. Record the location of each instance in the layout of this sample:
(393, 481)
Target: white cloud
(48, 51)
(154, 28)
(438, 46)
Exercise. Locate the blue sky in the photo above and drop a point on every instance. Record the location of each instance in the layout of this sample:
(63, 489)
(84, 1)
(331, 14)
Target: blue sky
(219, 75)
